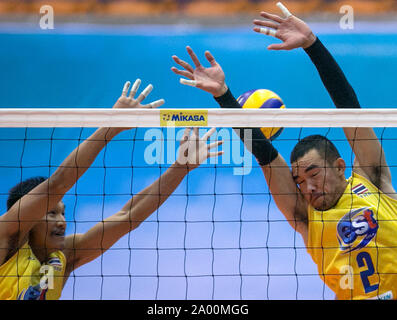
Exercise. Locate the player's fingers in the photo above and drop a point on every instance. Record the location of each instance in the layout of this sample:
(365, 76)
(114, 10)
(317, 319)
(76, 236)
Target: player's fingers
(208, 134)
(186, 134)
(214, 144)
(266, 31)
(192, 83)
(183, 64)
(135, 88)
(272, 17)
(210, 58)
(278, 46)
(154, 104)
(144, 93)
(125, 89)
(268, 24)
(215, 154)
(284, 10)
(193, 56)
(195, 133)
(184, 73)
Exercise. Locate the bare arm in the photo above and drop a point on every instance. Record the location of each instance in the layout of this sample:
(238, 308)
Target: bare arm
(371, 158)
(277, 173)
(83, 248)
(32, 207)
(286, 195)
(22, 216)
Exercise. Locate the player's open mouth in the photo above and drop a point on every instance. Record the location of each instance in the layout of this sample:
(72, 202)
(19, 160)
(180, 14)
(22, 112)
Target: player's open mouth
(58, 233)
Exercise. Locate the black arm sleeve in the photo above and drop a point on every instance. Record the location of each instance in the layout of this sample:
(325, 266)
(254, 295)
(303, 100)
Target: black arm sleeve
(334, 80)
(258, 145)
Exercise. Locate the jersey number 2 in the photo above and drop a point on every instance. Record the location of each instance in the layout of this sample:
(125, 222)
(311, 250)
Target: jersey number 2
(364, 260)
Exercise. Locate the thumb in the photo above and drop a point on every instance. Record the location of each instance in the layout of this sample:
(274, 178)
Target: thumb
(278, 46)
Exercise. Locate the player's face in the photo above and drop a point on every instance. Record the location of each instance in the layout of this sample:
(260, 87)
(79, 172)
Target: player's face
(49, 233)
(320, 183)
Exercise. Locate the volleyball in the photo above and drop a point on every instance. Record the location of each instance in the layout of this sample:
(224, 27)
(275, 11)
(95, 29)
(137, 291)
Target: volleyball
(262, 98)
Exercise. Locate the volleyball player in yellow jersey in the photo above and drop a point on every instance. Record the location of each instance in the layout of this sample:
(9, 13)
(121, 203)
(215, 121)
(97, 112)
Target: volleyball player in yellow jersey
(36, 257)
(348, 225)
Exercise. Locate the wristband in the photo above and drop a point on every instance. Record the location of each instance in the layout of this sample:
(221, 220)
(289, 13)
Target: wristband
(255, 141)
(257, 144)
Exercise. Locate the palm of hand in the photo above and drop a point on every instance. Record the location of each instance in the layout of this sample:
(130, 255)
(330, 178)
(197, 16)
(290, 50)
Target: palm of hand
(210, 79)
(194, 150)
(126, 102)
(293, 32)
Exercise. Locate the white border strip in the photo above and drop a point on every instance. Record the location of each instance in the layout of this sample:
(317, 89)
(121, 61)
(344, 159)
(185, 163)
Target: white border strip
(383, 26)
(100, 117)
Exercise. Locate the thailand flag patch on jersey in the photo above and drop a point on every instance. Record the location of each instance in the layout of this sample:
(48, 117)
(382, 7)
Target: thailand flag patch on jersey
(55, 263)
(360, 190)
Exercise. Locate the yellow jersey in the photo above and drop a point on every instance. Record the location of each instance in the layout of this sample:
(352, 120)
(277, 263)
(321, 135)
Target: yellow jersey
(23, 277)
(354, 244)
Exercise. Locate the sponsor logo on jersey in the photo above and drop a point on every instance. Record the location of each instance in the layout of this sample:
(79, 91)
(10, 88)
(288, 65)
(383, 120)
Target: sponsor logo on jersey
(384, 296)
(33, 293)
(356, 229)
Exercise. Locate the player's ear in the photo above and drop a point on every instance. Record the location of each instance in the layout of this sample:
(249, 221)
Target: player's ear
(340, 166)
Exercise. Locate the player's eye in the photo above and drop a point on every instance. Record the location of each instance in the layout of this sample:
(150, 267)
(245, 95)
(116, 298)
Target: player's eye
(315, 173)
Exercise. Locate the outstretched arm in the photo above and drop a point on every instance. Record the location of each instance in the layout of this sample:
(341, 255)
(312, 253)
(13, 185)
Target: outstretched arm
(277, 173)
(24, 214)
(295, 33)
(83, 248)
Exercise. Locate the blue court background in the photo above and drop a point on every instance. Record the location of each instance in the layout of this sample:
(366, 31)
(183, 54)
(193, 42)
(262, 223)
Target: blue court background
(219, 236)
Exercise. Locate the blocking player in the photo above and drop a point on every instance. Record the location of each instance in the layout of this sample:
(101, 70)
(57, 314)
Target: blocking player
(36, 258)
(347, 225)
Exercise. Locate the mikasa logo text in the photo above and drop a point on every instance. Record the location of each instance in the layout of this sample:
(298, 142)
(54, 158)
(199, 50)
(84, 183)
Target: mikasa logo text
(184, 118)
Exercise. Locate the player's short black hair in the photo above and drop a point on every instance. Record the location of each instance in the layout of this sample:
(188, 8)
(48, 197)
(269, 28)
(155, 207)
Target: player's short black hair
(325, 148)
(22, 188)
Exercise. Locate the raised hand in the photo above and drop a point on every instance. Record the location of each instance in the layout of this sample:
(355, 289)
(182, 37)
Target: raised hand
(194, 150)
(128, 100)
(294, 32)
(210, 79)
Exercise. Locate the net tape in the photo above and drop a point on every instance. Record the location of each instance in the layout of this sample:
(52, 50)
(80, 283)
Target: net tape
(102, 117)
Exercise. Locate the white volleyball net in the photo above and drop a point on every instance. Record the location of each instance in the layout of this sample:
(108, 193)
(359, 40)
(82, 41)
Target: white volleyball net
(219, 235)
